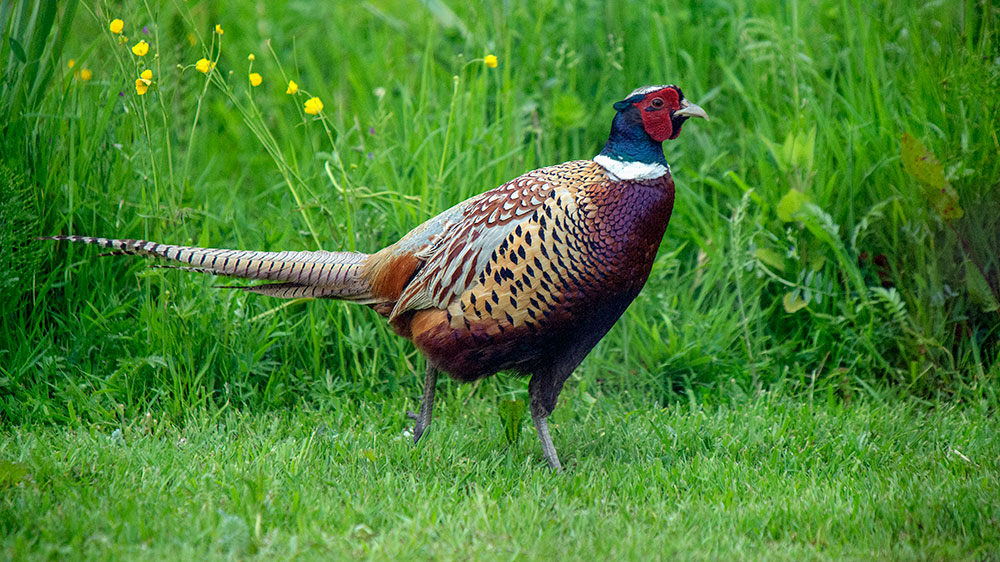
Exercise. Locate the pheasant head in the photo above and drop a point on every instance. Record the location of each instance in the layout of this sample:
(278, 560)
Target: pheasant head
(646, 117)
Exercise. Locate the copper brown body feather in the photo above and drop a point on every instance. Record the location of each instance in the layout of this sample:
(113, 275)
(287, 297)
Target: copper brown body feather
(576, 245)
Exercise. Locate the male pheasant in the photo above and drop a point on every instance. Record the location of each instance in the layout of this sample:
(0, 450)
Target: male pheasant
(527, 277)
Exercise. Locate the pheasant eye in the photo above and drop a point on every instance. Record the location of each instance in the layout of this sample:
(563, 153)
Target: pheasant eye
(657, 103)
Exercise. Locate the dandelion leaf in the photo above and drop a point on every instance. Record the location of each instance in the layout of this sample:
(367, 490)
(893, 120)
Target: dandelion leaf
(921, 164)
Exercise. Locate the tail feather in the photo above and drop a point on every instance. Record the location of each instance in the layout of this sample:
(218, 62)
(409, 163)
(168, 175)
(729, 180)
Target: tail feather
(296, 291)
(300, 274)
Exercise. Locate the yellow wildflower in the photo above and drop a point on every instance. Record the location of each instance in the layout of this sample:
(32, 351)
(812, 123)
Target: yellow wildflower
(140, 49)
(313, 106)
(292, 87)
(143, 81)
(71, 63)
(255, 79)
(218, 29)
(204, 65)
(251, 58)
(491, 61)
(86, 74)
(116, 26)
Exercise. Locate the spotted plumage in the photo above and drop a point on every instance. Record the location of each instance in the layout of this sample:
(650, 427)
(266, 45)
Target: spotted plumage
(582, 244)
(526, 277)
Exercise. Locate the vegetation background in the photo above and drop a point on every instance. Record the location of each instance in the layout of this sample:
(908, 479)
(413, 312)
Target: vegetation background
(811, 371)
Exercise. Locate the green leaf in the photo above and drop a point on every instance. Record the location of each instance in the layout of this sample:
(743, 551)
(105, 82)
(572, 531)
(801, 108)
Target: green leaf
(793, 302)
(979, 289)
(511, 412)
(803, 150)
(18, 51)
(771, 258)
(921, 164)
(797, 151)
(791, 203)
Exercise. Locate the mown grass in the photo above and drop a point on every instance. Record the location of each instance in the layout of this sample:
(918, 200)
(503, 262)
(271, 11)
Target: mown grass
(808, 286)
(776, 478)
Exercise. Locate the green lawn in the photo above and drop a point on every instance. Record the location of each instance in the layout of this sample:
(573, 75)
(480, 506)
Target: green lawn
(810, 372)
(771, 478)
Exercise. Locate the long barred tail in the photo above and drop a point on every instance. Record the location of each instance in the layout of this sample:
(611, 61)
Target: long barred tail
(299, 274)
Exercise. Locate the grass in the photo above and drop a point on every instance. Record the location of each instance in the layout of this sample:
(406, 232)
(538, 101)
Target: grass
(810, 372)
(775, 478)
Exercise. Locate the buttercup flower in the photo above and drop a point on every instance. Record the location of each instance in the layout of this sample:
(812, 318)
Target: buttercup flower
(204, 65)
(143, 81)
(490, 61)
(140, 49)
(313, 106)
(255, 79)
(86, 74)
(71, 63)
(116, 26)
(218, 29)
(251, 58)
(292, 87)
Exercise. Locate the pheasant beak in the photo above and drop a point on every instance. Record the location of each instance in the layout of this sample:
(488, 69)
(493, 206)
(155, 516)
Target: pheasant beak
(689, 109)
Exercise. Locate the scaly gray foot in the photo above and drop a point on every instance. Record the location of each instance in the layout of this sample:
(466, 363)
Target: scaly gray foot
(423, 419)
(548, 449)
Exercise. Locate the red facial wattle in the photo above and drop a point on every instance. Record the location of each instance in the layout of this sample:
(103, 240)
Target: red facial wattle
(656, 120)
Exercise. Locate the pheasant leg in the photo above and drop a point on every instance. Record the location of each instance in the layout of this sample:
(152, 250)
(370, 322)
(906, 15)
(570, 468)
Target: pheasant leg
(548, 449)
(423, 419)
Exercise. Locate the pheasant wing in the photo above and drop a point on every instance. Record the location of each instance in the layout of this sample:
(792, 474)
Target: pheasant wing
(458, 244)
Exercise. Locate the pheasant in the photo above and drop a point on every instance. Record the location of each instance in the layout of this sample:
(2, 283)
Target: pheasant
(526, 277)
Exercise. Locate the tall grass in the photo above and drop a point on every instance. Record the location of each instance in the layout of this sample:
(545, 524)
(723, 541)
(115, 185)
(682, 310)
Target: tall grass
(800, 254)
